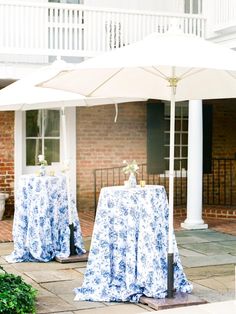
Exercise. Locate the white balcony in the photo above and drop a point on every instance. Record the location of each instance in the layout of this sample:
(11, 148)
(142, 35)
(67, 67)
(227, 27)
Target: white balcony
(50, 29)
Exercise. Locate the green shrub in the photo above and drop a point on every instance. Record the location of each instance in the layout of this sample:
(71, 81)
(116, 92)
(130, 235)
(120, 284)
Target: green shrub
(16, 296)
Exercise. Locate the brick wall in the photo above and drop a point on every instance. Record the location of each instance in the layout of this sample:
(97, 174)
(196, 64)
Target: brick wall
(224, 128)
(102, 143)
(7, 158)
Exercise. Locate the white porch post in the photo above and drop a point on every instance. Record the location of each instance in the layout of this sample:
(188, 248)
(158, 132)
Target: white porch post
(194, 187)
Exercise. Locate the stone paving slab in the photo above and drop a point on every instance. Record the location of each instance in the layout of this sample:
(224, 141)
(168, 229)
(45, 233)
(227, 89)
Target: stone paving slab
(118, 309)
(81, 270)
(204, 233)
(62, 287)
(81, 305)
(189, 240)
(223, 284)
(211, 295)
(209, 271)
(49, 304)
(3, 261)
(212, 248)
(228, 307)
(187, 252)
(64, 313)
(31, 266)
(6, 248)
(54, 275)
(193, 261)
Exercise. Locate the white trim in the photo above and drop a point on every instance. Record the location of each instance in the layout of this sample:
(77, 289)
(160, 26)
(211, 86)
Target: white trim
(18, 147)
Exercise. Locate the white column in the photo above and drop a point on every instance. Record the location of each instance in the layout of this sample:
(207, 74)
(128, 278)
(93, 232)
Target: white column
(194, 187)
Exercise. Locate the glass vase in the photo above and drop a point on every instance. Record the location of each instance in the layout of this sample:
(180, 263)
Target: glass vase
(132, 180)
(42, 170)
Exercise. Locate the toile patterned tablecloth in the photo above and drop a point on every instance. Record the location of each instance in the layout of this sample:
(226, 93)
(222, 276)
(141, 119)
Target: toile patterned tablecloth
(41, 225)
(128, 253)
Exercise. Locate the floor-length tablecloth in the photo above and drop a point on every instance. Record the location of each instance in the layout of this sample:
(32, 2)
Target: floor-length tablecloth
(41, 227)
(128, 254)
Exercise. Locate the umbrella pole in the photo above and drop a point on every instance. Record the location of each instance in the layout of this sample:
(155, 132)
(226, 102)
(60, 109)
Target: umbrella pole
(70, 214)
(170, 259)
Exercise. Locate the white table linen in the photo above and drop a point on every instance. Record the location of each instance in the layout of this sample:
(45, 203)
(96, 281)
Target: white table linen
(128, 254)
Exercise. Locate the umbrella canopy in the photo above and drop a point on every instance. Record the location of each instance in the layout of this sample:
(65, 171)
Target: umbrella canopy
(162, 66)
(24, 95)
(147, 68)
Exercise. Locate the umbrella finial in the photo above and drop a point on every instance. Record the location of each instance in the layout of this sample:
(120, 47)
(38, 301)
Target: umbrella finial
(173, 81)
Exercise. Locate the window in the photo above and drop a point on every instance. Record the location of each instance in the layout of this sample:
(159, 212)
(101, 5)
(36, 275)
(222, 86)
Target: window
(193, 6)
(42, 136)
(181, 135)
(158, 136)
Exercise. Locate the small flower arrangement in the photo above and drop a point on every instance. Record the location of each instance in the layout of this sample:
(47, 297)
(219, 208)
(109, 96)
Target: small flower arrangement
(42, 161)
(130, 167)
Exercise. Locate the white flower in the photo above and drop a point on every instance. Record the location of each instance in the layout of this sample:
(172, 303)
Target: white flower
(130, 168)
(42, 161)
(41, 158)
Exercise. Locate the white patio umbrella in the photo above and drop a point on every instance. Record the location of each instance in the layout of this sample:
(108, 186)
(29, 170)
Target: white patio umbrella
(166, 66)
(23, 95)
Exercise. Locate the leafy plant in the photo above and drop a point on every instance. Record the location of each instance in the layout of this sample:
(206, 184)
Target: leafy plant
(16, 296)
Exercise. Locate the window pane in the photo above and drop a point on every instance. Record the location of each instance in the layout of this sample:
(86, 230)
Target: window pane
(177, 151)
(184, 151)
(178, 111)
(177, 125)
(167, 164)
(33, 149)
(52, 150)
(177, 164)
(185, 125)
(167, 151)
(184, 139)
(177, 138)
(167, 110)
(33, 123)
(167, 138)
(52, 123)
(185, 111)
(167, 125)
(184, 164)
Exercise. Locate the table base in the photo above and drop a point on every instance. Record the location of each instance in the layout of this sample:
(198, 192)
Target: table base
(73, 258)
(179, 299)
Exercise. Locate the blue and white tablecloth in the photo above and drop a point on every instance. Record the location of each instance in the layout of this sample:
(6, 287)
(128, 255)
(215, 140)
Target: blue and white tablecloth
(41, 225)
(128, 254)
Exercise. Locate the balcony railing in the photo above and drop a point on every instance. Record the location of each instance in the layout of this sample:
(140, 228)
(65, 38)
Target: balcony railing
(225, 14)
(46, 29)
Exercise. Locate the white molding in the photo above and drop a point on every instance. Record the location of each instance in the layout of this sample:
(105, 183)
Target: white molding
(18, 139)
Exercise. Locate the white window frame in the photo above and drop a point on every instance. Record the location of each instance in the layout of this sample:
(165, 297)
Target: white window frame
(182, 172)
(43, 138)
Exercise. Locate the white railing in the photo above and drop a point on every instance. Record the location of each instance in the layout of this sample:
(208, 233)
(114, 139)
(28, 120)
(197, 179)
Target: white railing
(225, 13)
(76, 30)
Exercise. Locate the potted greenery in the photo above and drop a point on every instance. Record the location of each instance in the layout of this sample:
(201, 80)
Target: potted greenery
(16, 296)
